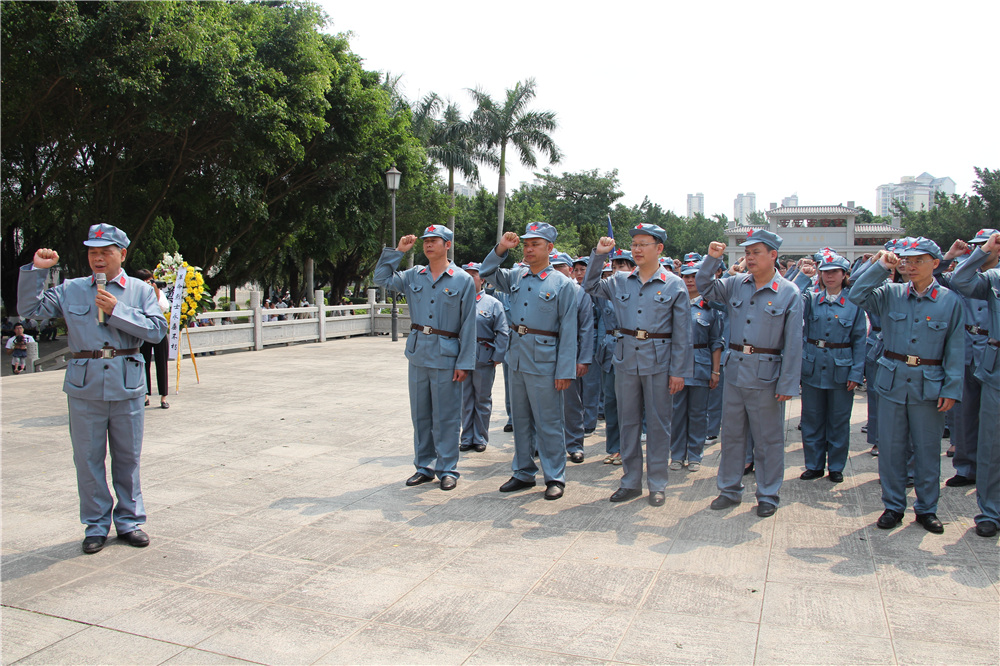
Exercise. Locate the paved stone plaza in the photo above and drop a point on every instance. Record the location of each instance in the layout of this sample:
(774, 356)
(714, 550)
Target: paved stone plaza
(282, 534)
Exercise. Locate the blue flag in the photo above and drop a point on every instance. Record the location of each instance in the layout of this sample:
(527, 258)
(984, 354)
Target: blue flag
(611, 232)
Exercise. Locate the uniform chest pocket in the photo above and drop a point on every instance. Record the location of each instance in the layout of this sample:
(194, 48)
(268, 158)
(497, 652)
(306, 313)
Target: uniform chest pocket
(736, 303)
(451, 297)
(846, 322)
(546, 300)
(417, 292)
(622, 298)
(701, 321)
(661, 298)
(898, 317)
(775, 310)
(78, 310)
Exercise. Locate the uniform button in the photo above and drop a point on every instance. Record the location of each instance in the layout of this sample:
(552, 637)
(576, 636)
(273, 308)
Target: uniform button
(430, 316)
(908, 380)
(748, 321)
(522, 318)
(529, 288)
(433, 286)
(751, 302)
(525, 305)
(637, 349)
(105, 366)
(913, 340)
(639, 311)
(432, 300)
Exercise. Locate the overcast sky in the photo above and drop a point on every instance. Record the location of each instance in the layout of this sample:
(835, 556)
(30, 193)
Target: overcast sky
(826, 100)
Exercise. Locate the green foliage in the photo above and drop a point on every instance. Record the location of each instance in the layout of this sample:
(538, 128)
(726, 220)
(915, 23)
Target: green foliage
(158, 240)
(757, 219)
(957, 216)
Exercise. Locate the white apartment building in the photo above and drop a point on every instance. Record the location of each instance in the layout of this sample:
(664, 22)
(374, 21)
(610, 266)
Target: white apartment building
(696, 204)
(917, 193)
(743, 205)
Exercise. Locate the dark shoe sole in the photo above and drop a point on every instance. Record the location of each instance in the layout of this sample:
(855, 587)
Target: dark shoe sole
(629, 494)
(520, 485)
(721, 502)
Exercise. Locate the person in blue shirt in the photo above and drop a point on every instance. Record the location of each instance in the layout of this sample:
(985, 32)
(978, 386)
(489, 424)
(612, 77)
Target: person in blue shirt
(441, 349)
(606, 354)
(492, 336)
(574, 413)
(542, 354)
(690, 420)
(971, 280)
(652, 356)
(763, 369)
(920, 373)
(105, 379)
(833, 362)
(593, 400)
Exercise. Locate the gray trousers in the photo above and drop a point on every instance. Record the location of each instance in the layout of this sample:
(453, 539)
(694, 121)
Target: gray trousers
(436, 412)
(650, 394)
(97, 427)
(538, 423)
(592, 393)
(760, 413)
(965, 428)
(573, 415)
(477, 404)
(988, 457)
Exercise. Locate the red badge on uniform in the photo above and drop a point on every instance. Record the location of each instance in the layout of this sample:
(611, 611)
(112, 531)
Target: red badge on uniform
(934, 293)
(478, 296)
(451, 271)
(542, 275)
(774, 285)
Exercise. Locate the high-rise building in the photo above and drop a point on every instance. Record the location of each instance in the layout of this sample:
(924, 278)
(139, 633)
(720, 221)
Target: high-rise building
(743, 206)
(916, 193)
(790, 201)
(696, 204)
(464, 190)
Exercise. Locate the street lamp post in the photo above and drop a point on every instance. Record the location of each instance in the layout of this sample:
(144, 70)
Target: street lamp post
(392, 182)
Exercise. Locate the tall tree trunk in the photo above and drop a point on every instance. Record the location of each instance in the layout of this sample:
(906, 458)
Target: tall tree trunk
(502, 191)
(451, 210)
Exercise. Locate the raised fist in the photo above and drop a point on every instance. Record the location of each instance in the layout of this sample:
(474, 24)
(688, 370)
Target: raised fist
(406, 243)
(993, 244)
(509, 241)
(45, 258)
(889, 260)
(605, 245)
(716, 249)
(957, 249)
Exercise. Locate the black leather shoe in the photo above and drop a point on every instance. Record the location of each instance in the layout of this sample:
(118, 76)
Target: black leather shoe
(889, 519)
(811, 474)
(624, 494)
(987, 528)
(419, 478)
(958, 481)
(509, 427)
(657, 498)
(589, 431)
(554, 491)
(515, 483)
(722, 502)
(747, 469)
(479, 448)
(448, 482)
(93, 544)
(465, 447)
(930, 522)
(765, 509)
(836, 477)
(576, 457)
(136, 538)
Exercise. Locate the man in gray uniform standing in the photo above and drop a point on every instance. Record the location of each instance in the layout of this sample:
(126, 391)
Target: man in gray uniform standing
(542, 354)
(763, 369)
(574, 410)
(441, 349)
(652, 355)
(108, 316)
(492, 337)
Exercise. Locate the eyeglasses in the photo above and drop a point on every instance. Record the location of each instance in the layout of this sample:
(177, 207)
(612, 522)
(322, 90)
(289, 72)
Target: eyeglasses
(638, 245)
(912, 262)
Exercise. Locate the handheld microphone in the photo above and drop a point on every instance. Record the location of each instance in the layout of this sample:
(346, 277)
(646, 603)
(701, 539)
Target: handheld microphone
(102, 282)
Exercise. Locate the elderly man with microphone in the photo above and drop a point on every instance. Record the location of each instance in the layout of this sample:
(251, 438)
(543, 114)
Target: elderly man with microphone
(108, 316)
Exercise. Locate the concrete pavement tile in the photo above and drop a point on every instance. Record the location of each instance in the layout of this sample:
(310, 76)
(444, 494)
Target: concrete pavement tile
(487, 508)
(853, 609)
(24, 576)
(638, 549)
(97, 596)
(841, 510)
(385, 644)
(316, 545)
(502, 655)
(559, 514)
(528, 538)
(971, 651)
(663, 638)
(737, 526)
(819, 645)
(374, 521)
(577, 630)
(296, 450)
(180, 523)
(257, 576)
(23, 633)
(291, 510)
(911, 541)
(184, 616)
(942, 580)
(909, 620)
(824, 565)
(442, 530)
(479, 568)
(349, 592)
(193, 657)
(96, 645)
(176, 560)
(452, 610)
(398, 555)
(282, 635)
(732, 597)
(595, 583)
(713, 558)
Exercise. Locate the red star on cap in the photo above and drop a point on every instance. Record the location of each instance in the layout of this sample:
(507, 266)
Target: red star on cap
(638, 226)
(98, 233)
(533, 227)
(430, 228)
(750, 233)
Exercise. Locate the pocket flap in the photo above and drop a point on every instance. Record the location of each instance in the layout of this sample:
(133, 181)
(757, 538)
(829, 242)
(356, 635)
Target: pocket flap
(78, 309)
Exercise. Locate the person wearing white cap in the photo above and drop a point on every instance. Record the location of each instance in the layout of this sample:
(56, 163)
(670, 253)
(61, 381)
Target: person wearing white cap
(108, 316)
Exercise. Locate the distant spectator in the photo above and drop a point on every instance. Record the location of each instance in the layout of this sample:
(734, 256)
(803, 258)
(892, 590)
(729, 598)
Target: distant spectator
(49, 331)
(158, 351)
(17, 348)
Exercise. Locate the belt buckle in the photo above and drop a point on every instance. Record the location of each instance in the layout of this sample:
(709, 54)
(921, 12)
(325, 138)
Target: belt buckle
(747, 349)
(912, 361)
(641, 334)
(617, 332)
(821, 344)
(975, 330)
(521, 329)
(107, 352)
(426, 330)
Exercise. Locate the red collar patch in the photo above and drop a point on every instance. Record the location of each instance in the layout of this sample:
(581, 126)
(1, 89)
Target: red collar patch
(451, 271)
(478, 296)
(774, 285)
(543, 275)
(423, 270)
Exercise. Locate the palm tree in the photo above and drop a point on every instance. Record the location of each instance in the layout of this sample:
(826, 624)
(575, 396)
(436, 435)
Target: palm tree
(450, 142)
(513, 124)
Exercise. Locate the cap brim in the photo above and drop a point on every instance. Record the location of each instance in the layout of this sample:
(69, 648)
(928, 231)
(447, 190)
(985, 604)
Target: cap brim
(534, 234)
(99, 243)
(754, 241)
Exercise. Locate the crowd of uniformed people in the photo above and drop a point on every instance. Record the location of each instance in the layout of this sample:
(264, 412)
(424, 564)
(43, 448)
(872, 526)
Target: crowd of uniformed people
(666, 351)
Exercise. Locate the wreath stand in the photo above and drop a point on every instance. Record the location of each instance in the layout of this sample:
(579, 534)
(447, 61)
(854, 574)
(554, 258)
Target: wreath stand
(177, 382)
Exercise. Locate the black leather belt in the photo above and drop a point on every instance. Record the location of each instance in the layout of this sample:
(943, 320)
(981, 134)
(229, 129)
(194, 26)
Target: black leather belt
(751, 349)
(910, 360)
(427, 330)
(976, 330)
(640, 334)
(613, 331)
(524, 330)
(107, 352)
(877, 329)
(701, 346)
(993, 342)
(823, 344)
(485, 340)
